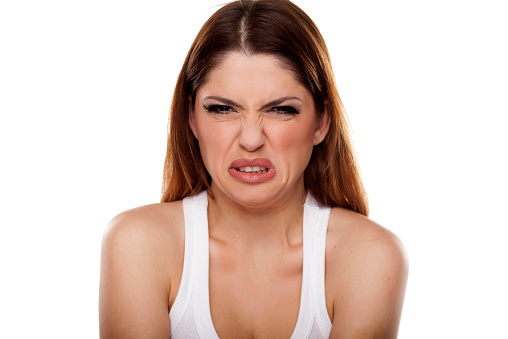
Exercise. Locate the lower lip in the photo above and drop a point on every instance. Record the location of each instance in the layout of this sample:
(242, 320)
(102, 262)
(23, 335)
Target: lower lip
(252, 178)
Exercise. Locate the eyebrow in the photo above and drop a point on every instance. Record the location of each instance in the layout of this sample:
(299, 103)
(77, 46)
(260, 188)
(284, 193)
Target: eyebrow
(234, 104)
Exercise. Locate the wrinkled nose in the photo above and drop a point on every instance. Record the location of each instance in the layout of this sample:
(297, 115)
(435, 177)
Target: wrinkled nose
(251, 136)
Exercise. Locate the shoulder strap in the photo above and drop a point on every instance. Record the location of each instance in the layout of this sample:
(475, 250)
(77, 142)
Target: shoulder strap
(193, 211)
(313, 320)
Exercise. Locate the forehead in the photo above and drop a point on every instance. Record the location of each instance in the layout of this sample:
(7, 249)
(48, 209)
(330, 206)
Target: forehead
(262, 75)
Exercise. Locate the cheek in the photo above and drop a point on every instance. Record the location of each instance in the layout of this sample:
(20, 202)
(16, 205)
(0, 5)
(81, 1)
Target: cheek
(214, 138)
(294, 141)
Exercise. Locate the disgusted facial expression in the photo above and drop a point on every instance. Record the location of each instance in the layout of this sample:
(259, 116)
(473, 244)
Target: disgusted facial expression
(256, 126)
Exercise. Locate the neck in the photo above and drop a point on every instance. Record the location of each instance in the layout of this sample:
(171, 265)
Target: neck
(277, 224)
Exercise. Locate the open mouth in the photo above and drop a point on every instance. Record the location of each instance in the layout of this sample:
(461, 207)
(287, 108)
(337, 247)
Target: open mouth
(254, 169)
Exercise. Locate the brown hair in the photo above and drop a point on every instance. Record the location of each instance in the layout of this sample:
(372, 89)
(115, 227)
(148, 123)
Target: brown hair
(281, 29)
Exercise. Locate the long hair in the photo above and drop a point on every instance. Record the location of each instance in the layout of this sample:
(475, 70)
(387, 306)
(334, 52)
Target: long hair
(281, 29)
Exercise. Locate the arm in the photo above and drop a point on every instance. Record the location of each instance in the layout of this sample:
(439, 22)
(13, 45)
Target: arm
(370, 287)
(134, 283)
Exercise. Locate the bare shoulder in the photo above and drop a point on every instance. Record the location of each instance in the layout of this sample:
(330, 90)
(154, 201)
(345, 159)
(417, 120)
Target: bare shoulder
(360, 237)
(148, 224)
(155, 230)
(153, 234)
(141, 264)
(367, 269)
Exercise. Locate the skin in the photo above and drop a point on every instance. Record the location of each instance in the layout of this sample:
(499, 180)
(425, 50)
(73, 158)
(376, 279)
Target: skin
(255, 229)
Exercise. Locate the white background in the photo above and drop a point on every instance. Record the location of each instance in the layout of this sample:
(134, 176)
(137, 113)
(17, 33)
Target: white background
(85, 88)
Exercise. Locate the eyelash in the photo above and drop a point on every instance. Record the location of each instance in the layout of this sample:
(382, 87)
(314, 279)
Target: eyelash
(286, 110)
(218, 109)
(224, 109)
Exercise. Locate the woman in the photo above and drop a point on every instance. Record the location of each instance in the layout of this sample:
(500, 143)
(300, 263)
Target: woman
(263, 230)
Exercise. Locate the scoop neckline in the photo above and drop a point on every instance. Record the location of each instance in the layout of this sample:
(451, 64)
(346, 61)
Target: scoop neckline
(204, 321)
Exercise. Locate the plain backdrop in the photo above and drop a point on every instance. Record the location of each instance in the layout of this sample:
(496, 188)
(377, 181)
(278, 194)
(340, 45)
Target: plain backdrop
(85, 88)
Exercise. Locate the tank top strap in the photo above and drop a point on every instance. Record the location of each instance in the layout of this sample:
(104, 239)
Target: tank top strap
(201, 305)
(313, 320)
(195, 265)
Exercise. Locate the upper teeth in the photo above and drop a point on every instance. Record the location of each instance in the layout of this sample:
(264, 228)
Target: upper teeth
(252, 169)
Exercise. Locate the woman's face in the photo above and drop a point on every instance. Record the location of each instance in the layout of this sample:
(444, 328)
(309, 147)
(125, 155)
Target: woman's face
(256, 126)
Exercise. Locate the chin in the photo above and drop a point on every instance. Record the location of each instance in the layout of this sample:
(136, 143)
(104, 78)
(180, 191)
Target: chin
(250, 196)
(258, 196)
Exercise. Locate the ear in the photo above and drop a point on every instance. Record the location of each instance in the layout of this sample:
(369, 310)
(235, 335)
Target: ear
(192, 118)
(322, 125)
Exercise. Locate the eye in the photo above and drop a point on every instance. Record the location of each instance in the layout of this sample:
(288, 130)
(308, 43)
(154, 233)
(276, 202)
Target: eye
(218, 109)
(288, 110)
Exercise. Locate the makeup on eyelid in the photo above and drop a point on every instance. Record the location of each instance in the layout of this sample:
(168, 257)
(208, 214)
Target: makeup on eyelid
(224, 109)
(218, 109)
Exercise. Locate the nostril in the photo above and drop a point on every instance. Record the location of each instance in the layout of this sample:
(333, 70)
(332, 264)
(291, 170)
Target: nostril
(251, 137)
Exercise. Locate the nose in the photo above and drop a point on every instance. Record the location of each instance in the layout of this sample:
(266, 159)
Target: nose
(251, 135)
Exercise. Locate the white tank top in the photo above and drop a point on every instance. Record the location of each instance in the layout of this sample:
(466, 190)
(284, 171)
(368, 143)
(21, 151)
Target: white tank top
(190, 315)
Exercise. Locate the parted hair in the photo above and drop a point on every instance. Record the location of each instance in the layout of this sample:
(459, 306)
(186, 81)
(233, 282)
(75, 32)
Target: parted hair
(281, 29)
